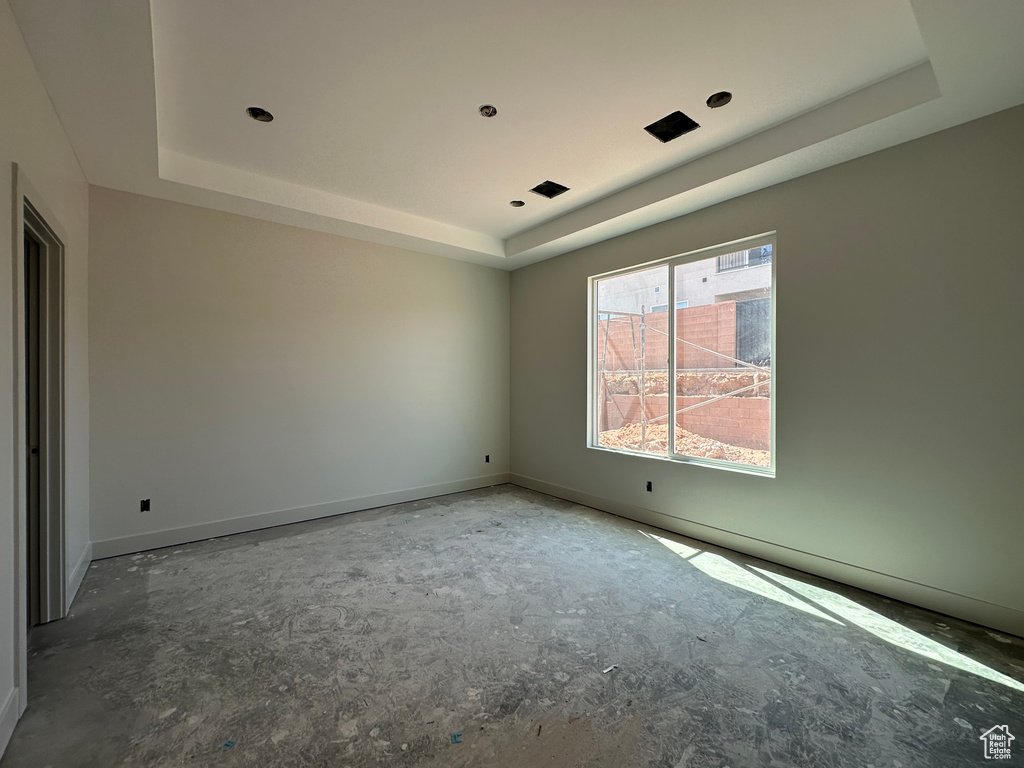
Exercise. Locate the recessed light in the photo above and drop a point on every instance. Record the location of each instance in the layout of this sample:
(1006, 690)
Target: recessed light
(516, 203)
(720, 99)
(260, 114)
(488, 110)
(550, 189)
(671, 127)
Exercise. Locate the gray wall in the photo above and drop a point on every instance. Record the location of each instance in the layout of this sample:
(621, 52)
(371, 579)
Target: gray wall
(899, 370)
(246, 373)
(32, 136)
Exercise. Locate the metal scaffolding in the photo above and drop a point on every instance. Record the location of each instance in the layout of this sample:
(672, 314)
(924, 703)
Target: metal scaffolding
(671, 383)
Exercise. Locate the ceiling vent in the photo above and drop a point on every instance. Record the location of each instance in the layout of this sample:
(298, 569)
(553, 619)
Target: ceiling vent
(671, 127)
(550, 189)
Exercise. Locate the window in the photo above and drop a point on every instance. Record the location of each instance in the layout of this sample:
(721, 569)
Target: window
(707, 398)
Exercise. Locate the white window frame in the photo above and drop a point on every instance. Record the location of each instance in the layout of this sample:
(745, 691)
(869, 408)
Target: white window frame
(592, 358)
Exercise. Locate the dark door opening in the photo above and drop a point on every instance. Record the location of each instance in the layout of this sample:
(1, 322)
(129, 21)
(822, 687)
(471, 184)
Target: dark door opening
(33, 361)
(43, 419)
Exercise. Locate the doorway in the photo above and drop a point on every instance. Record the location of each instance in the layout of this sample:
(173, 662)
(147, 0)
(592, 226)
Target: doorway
(43, 420)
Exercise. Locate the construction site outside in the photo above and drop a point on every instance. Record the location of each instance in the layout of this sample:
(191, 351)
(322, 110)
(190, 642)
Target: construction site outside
(721, 387)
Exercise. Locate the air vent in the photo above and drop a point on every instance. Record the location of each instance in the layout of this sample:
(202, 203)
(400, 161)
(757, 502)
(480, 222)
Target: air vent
(550, 189)
(260, 114)
(671, 127)
(516, 203)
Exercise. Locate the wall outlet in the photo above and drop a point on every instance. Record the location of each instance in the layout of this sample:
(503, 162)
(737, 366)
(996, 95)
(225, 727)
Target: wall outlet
(487, 459)
(144, 505)
(650, 486)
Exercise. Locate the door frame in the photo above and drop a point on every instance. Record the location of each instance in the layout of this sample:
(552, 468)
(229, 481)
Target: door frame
(31, 213)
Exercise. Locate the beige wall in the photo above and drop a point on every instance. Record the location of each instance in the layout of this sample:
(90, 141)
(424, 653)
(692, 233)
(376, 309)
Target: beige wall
(31, 135)
(898, 373)
(246, 373)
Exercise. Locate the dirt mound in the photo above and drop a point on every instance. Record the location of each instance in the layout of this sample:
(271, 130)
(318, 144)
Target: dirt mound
(689, 384)
(688, 443)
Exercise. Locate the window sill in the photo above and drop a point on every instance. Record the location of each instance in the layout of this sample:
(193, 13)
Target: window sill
(728, 466)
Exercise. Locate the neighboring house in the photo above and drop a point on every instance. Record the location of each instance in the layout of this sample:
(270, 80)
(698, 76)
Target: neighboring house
(743, 277)
(734, 277)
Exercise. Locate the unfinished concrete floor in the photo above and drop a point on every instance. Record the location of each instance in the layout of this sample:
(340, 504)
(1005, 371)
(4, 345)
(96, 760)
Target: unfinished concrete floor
(370, 639)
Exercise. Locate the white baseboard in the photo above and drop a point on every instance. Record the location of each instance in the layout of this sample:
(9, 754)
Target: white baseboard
(8, 718)
(175, 536)
(950, 603)
(76, 575)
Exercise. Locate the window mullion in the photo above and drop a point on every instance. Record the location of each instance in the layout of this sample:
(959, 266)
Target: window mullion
(670, 384)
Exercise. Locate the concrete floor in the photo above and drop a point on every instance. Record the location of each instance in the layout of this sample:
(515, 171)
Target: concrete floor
(370, 639)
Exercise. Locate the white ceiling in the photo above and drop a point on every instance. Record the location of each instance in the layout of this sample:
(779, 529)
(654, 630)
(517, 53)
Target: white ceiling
(377, 134)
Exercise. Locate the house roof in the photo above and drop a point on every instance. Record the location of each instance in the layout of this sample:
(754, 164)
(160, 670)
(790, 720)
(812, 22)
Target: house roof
(1004, 728)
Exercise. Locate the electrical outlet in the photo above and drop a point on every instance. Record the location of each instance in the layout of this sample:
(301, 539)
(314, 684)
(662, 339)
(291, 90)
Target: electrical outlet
(650, 486)
(487, 459)
(144, 505)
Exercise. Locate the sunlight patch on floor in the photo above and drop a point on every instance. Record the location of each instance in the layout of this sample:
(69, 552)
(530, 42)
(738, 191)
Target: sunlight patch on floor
(717, 567)
(891, 631)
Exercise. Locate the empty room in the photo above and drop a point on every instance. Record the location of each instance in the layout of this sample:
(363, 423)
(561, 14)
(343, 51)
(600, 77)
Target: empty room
(465, 383)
